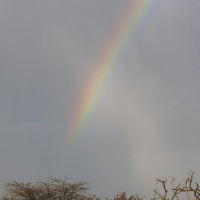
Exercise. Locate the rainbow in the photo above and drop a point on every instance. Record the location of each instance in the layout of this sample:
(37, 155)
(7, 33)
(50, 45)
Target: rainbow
(132, 19)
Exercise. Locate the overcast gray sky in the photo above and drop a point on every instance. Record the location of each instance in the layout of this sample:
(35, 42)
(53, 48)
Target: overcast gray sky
(146, 122)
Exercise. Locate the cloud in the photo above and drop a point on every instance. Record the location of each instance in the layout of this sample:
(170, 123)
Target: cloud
(146, 122)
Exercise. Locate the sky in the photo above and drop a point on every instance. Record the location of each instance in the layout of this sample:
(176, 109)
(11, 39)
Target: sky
(145, 123)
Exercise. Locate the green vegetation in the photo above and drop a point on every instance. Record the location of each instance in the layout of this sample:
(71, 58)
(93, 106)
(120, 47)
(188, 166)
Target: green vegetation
(53, 188)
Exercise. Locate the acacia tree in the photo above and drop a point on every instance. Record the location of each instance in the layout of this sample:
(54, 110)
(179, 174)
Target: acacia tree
(49, 189)
(187, 189)
(59, 189)
(170, 189)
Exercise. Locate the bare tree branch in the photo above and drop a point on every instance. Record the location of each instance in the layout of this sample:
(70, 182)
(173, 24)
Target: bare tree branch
(53, 188)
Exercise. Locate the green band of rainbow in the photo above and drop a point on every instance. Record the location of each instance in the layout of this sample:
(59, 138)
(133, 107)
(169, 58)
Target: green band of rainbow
(132, 19)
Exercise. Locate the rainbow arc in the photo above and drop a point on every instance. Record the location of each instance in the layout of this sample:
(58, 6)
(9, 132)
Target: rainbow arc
(136, 13)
